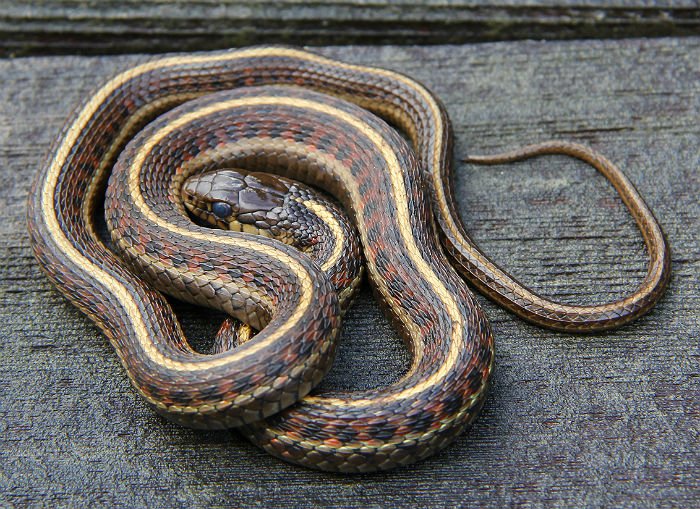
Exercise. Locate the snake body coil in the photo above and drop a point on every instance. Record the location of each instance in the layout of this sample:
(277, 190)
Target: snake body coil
(302, 134)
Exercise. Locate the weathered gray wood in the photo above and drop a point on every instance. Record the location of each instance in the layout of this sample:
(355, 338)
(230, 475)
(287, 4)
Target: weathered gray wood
(603, 420)
(111, 26)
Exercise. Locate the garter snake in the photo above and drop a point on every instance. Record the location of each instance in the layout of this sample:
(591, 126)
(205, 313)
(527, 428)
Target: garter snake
(268, 284)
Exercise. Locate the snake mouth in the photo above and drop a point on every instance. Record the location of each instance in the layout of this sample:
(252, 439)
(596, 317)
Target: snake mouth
(200, 210)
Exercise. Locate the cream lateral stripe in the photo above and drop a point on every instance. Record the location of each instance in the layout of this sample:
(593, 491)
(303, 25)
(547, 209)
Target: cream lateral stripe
(399, 195)
(338, 237)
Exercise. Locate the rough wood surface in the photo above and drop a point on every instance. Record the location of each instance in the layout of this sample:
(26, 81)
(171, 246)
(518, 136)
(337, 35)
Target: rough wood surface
(118, 26)
(604, 420)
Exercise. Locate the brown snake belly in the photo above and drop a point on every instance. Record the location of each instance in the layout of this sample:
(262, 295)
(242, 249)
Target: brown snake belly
(273, 287)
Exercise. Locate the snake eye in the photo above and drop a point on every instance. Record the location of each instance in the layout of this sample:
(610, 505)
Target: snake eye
(221, 209)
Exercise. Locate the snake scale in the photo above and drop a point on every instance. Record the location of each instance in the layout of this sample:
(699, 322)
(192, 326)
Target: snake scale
(316, 120)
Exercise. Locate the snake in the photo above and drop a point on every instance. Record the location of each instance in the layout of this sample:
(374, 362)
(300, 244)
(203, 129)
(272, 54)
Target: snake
(326, 123)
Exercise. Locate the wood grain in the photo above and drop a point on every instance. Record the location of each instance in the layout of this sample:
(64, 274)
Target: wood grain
(111, 26)
(603, 420)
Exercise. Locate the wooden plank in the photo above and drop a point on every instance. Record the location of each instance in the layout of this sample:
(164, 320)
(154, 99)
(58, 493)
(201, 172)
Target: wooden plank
(110, 26)
(603, 420)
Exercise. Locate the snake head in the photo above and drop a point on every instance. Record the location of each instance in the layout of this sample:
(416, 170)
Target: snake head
(250, 202)
(235, 199)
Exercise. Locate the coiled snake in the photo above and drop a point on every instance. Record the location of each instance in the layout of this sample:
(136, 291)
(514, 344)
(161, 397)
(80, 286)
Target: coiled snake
(306, 127)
